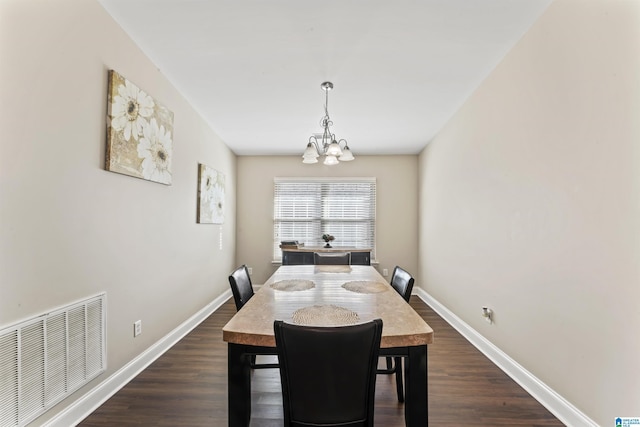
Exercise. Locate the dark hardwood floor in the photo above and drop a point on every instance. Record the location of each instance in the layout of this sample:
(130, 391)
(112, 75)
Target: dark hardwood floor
(187, 386)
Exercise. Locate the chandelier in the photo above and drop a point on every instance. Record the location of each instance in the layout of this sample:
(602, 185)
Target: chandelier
(325, 144)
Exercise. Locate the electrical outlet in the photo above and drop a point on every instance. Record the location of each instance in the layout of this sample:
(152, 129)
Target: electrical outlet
(385, 272)
(137, 328)
(250, 270)
(487, 313)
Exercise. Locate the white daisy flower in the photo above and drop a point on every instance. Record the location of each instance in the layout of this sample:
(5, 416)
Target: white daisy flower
(217, 203)
(207, 191)
(155, 150)
(131, 108)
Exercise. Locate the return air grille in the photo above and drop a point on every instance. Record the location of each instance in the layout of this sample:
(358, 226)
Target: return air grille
(46, 358)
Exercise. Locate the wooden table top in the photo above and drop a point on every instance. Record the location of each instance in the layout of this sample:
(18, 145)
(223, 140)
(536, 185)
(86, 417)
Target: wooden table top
(327, 295)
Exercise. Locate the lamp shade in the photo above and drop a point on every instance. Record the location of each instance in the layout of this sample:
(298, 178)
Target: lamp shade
(334, 149)
(309, 160)
(310, 151)
(330, 160)
(347, 155)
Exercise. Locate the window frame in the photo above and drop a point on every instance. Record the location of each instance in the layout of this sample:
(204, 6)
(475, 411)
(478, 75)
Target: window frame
(313, 221)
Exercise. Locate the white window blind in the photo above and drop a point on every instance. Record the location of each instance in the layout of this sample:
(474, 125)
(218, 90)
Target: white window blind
(306, 208)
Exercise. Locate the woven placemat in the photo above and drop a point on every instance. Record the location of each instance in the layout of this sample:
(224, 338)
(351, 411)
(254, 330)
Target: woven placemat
(325, 315)
(366, 287)
(293, 285)
(333, 269)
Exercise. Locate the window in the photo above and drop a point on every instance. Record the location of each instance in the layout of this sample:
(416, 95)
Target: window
(305, 209)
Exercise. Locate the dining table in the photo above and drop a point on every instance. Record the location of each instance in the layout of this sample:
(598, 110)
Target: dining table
(327, 295)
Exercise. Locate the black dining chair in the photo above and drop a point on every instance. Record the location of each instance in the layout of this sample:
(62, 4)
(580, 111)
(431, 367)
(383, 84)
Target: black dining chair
(241, 286)
(402, 282)
(332, 258)
(242, 290)
(328, 374)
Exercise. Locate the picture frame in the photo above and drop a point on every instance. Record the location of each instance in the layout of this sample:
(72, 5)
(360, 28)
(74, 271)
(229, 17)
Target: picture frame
(139, 132)
(211, 195)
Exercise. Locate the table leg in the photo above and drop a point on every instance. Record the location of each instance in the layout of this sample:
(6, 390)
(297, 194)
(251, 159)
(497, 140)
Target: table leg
(239, 385)
(416, 407)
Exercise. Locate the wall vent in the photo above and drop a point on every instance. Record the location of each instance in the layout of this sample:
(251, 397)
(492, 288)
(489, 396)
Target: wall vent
(48, 357)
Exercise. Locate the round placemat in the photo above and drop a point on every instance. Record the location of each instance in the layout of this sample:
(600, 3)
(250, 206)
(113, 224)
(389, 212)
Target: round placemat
(333, 269)
(325, 315)
(293, 285)
(365, 287)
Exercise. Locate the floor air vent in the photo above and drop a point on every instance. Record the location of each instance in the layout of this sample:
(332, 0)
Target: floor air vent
(46, 358)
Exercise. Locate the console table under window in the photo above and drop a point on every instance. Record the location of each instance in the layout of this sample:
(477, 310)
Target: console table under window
(304, 255)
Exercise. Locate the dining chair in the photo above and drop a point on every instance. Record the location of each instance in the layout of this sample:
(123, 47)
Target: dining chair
(332, 258)
(242, 290)
(402, 282)
(328, 374)
(241, 286)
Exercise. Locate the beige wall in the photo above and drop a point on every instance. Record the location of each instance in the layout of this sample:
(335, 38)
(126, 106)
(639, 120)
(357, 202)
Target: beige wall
(69, 229)
(396, 215)
(530, 204)
(528, 199)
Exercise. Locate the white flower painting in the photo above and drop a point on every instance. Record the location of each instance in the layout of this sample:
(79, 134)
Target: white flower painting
(139, 132)
(210, 195)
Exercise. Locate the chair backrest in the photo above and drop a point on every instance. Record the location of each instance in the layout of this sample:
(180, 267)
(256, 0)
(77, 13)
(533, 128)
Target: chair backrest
(241, 286)
(332, 258)
(328, 374)
(402, 282)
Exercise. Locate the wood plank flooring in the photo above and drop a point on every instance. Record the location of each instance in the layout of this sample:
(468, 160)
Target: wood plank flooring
(187, 386)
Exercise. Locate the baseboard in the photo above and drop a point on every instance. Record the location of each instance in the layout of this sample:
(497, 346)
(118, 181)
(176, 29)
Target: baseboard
(89, 402)
(556, 404)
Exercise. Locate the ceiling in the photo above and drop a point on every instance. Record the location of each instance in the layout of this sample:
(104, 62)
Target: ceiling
(253, 68)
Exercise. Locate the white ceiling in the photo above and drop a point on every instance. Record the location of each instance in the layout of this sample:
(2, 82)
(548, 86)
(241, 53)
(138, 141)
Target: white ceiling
(253, 68)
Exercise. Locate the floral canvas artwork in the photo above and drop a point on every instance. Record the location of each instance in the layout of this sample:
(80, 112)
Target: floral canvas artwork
(139, 132)
(210, 195)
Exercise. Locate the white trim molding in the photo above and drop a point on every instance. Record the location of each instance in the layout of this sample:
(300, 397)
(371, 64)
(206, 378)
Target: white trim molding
(555, 403)
(85, 405)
